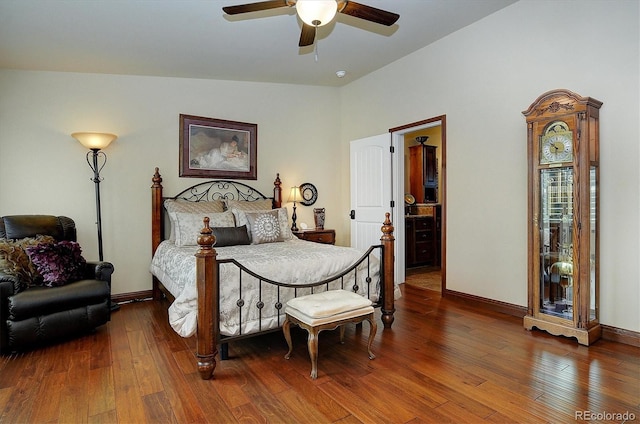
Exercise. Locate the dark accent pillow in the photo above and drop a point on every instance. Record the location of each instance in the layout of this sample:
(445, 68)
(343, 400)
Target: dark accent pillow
(15, 261)
(58, 263)
(231, 236)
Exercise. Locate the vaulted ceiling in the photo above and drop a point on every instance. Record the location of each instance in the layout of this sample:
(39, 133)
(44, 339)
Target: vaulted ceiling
(196, 39)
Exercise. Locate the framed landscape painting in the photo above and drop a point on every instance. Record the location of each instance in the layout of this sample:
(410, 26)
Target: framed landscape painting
(216, 148)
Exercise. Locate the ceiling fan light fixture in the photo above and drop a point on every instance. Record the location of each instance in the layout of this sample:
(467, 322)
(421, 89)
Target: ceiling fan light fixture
(316, 12)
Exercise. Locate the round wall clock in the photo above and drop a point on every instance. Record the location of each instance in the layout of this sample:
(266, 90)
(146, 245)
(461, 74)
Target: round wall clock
(309, 194)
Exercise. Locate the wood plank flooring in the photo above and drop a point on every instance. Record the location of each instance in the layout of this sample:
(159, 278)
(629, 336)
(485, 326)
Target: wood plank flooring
(442, 361)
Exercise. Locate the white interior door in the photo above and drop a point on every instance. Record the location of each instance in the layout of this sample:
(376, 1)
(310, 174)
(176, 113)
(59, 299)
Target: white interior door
(370, 171)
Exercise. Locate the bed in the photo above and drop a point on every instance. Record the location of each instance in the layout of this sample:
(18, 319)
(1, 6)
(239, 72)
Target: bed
(224, 256)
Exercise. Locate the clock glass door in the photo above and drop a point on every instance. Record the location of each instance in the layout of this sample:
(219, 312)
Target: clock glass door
(593, 254)
(556, 242)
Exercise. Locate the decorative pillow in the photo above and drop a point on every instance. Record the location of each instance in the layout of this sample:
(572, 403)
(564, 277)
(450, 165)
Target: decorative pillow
(177, 205)
(249, 206)
(231, 236)
(265, 226)
(188, 225)
(58, 263)
(14, 260)
(283, 217)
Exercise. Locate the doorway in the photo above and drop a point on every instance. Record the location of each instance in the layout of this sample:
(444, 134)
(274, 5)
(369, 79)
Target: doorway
(427, 263)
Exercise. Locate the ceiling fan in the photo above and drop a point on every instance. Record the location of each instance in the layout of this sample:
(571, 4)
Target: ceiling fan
(315, 13)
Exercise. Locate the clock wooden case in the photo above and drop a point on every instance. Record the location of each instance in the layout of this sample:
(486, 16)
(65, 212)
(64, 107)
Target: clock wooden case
(563, 213)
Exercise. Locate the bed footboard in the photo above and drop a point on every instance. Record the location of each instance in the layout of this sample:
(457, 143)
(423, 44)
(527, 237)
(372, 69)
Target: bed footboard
(207, 286)
(388, 257)
(207, 282)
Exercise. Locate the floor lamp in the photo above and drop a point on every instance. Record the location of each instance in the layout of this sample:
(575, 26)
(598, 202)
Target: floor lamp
(95, 142)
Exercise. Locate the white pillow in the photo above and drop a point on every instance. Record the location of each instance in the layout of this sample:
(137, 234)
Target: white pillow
(188, 225)
(249, 205)
(177, 205)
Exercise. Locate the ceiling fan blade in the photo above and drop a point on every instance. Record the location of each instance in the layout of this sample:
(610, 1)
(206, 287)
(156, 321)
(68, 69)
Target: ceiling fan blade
(255, 7)
(368, 13)
(307, 36)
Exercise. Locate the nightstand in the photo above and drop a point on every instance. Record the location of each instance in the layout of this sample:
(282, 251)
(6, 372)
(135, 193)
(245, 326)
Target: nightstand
(318, 236)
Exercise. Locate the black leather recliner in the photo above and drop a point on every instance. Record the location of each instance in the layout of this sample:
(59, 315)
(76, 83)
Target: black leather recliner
(35, 316)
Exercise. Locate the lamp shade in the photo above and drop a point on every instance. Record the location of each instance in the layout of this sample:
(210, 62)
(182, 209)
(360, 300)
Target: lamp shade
(316, 12)
(295, 195)
(93, 140)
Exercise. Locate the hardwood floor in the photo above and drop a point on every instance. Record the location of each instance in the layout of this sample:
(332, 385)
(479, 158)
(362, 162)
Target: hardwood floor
(441, 362)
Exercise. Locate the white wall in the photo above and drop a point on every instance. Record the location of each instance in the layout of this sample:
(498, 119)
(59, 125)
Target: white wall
(482, 77)
(43, 169)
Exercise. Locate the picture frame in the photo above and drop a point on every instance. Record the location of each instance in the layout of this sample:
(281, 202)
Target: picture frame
(217, 148)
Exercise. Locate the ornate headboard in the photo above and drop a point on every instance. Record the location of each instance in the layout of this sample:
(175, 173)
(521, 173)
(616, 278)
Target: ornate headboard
(202, 192)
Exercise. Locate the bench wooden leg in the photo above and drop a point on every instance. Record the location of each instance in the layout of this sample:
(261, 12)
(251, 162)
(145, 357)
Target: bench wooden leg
(286, 329)
(312, 343)
(373, 327)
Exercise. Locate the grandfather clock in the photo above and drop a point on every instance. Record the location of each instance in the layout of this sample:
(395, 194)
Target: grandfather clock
(563, 213)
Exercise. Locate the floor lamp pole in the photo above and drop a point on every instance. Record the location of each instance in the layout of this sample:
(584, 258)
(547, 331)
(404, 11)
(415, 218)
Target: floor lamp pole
(95, 153)
(93, 163)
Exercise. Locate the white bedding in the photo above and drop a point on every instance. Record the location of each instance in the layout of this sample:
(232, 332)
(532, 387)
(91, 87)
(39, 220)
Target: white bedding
(291, 261)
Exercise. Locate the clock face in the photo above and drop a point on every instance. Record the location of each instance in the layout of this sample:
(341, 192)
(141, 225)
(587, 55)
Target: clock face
(556, 145)
(556, 148)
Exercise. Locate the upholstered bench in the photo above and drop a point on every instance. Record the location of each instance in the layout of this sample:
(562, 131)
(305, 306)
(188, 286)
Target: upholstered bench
(327, 311)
